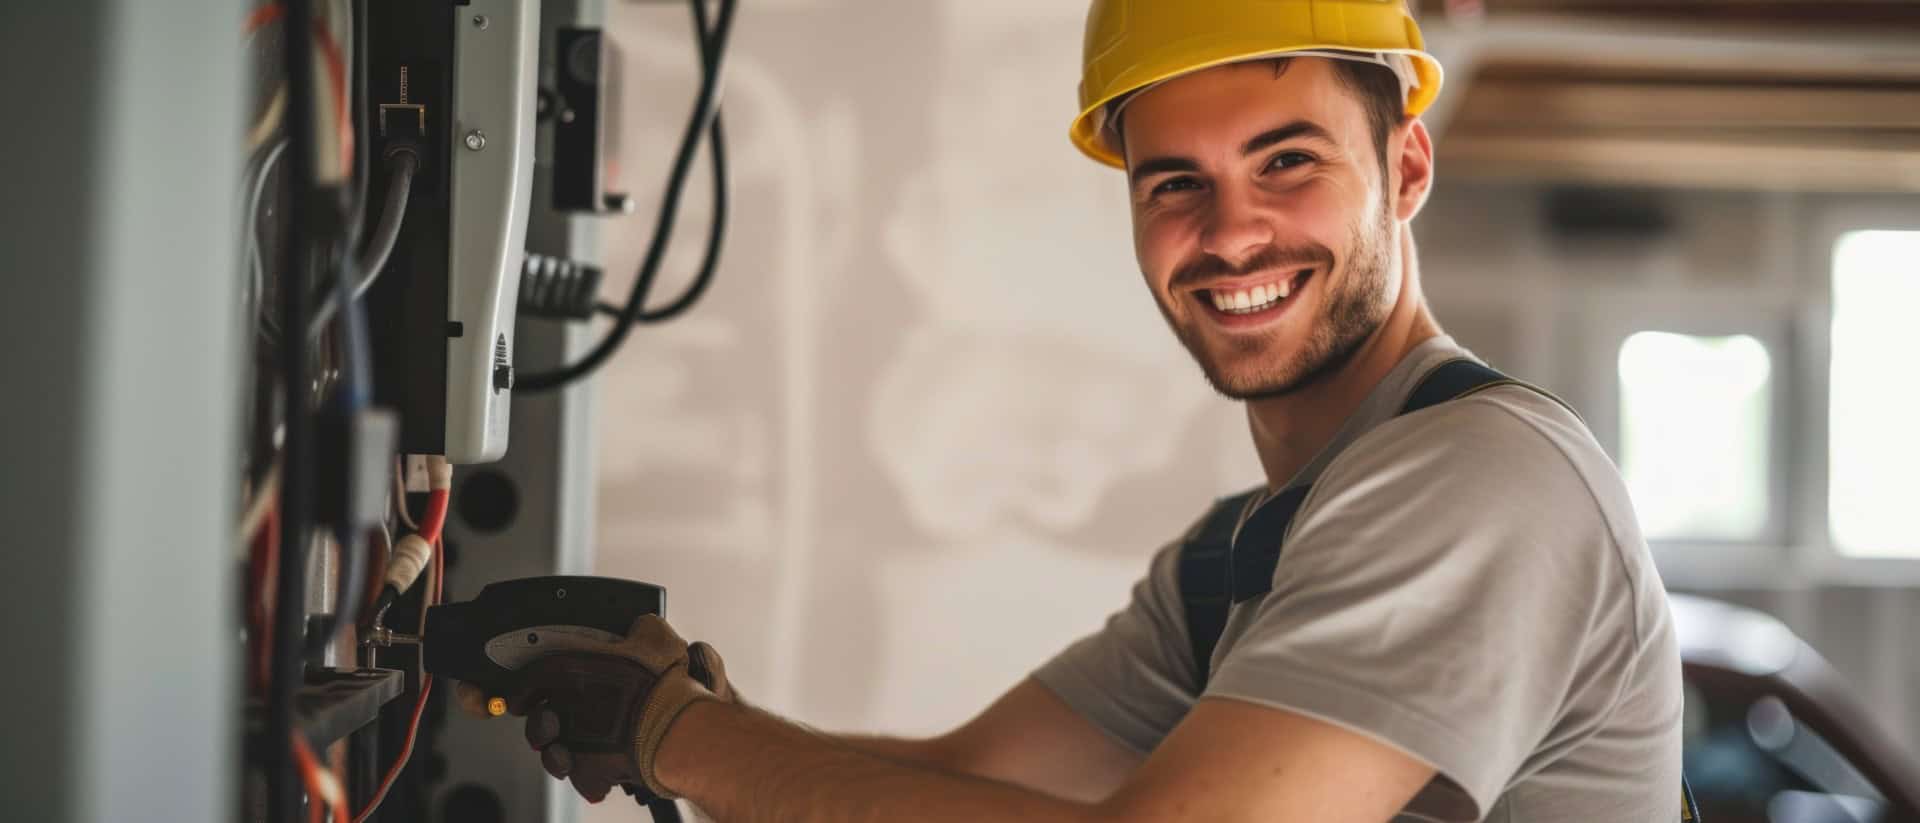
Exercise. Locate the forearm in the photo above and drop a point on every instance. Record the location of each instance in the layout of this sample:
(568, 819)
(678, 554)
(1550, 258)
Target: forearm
(744, 766)
(927, 753)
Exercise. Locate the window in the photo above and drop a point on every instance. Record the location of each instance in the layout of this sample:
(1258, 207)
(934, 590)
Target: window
(1694, 434)
(1873, 489)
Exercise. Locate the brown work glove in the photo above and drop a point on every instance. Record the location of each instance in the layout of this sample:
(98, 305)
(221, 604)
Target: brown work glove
(598, 718)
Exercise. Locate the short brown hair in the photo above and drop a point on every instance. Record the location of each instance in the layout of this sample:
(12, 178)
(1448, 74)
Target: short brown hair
(1380, 95)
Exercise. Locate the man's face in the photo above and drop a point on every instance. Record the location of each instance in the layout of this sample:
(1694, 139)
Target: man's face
(1261, 221)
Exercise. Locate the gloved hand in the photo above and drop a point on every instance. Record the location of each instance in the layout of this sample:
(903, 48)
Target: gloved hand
(598, 718)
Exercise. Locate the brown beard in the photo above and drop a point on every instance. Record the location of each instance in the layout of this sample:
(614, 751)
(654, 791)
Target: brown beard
(1350, 314)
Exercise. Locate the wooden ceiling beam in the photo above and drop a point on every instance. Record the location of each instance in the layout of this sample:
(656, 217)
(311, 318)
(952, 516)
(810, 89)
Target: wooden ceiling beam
(1505, 101)
(1685, 162)
(1783, 13)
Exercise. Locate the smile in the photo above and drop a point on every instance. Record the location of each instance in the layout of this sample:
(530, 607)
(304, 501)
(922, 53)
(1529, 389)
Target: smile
(1251, 297)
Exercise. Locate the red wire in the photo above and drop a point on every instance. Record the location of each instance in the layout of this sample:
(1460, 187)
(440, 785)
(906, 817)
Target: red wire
(435, 519)
(262, 564)
(337, 72)
(430, 597)
(310, 775)
(264, 16)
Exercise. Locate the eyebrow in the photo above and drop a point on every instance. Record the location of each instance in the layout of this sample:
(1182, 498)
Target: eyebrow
(1297, 128)
(1168, 165)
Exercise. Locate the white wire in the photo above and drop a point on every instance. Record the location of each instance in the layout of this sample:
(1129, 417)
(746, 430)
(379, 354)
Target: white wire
(269, 121)
(400, 494)
(253, 223)
(262, 501)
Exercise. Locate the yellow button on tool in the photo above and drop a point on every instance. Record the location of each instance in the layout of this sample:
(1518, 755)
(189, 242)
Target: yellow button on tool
(496, 706)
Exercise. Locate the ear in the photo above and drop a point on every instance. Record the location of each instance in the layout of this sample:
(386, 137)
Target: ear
(1413, 165)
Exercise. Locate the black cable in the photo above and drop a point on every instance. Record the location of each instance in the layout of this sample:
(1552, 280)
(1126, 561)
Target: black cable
(296, 484)
(363, 127)
(716, 234)
(717, 161)
(716, 239)
(706, 107)
(402, 164)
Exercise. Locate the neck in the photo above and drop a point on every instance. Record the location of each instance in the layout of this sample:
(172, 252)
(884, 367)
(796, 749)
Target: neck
(1289, 430)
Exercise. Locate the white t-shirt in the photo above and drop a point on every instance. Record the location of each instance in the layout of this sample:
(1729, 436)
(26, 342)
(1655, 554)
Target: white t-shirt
(1467, 583)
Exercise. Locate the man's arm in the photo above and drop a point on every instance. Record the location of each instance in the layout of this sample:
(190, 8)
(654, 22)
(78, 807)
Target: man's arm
(1030, 738)
(1228, 761)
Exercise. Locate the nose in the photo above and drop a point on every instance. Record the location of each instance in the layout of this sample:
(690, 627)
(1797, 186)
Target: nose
(1235, 227)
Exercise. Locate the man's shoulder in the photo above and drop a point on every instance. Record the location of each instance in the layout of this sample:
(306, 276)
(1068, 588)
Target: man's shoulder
(1507, 434)
(1498, 455)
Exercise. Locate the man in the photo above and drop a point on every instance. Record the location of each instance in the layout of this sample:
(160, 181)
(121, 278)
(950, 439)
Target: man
(1464, 622)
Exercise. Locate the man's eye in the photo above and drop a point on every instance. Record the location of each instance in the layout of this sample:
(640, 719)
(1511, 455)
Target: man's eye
(1288, 159)
(1177, 184)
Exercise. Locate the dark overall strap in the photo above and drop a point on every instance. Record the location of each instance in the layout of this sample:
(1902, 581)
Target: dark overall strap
(1206, 577)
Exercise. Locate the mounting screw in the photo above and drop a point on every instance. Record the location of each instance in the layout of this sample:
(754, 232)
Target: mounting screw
(533, 638)
(560, 594)
(566, 115)
(480, 21)
(476, 140)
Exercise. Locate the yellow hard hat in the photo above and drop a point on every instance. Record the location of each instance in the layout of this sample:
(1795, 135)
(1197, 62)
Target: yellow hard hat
(1133, 44)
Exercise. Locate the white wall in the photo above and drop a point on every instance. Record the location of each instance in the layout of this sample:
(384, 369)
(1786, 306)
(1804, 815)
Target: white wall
(928, 425)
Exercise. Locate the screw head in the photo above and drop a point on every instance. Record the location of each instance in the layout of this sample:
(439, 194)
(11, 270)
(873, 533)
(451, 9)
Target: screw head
(476, 140)
(567, 115)
(480, 21)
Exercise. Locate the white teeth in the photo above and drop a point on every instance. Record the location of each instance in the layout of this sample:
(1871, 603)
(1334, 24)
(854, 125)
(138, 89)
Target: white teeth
(1247, 301)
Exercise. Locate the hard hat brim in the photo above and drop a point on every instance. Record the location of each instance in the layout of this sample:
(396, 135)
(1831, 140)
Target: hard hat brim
(1088, 131)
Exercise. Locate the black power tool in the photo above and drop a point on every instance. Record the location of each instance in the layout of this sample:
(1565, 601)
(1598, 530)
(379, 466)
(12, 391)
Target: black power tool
(493, 640)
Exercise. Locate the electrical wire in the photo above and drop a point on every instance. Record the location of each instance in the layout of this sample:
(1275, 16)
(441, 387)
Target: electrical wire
(262, 501)
(342, 138)
(415, 553)
(262, 566)
(400, 495)
(269, 121)
(716, 234)
(363, 135)
(263, 16)
(341, 134)
(706, 107)
(260, 176)
(433, 524)
(716, 238)
(435, 590)
(296, 505)
(402, 164)
(323, 787)
(717, 161)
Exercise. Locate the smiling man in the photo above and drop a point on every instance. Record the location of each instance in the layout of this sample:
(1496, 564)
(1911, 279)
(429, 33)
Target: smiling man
(1437, 607)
